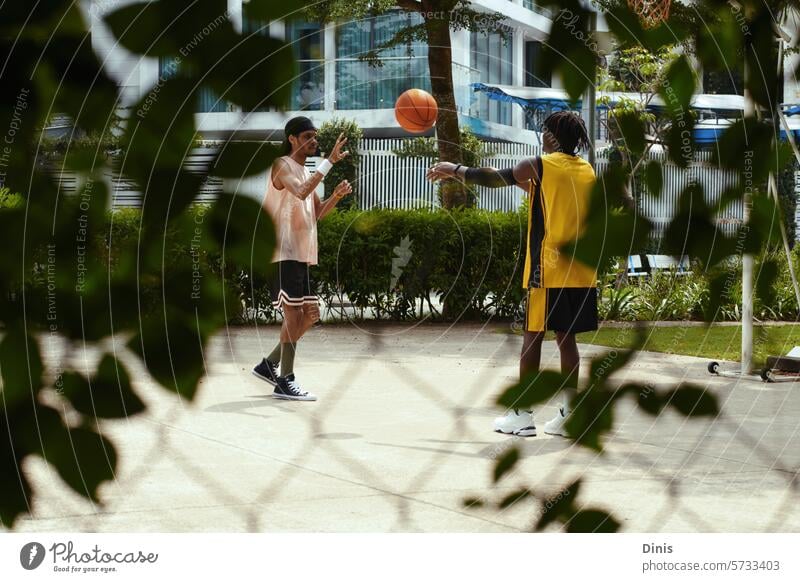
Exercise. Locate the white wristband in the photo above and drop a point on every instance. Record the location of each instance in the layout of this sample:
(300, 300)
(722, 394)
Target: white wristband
(325, 167)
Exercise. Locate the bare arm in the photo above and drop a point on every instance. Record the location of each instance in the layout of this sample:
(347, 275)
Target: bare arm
(282, 177)
(324, 208)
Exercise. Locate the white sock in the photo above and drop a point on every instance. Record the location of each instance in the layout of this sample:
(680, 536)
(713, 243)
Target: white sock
(569, 395)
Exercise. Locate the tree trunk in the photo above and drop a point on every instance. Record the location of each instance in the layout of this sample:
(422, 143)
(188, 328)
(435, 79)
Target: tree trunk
(440, 61)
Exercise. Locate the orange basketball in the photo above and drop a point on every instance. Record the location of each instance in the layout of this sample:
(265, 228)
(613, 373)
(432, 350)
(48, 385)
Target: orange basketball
(416, 110)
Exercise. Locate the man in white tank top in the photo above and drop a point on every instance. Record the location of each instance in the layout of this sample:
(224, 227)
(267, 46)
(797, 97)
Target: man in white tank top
(295, 209)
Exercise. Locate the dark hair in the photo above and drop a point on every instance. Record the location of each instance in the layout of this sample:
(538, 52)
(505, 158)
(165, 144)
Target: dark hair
(295, 126)
(569, 131)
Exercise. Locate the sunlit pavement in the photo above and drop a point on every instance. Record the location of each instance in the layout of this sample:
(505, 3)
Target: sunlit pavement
(402, 434)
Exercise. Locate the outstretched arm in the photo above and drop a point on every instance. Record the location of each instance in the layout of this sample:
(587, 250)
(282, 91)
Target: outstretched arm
(520, 175)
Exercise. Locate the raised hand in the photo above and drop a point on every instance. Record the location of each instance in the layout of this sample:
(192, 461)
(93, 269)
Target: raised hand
(337, 155)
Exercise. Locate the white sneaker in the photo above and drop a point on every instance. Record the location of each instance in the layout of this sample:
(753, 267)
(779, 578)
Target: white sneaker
(556, 426)
(514, 421)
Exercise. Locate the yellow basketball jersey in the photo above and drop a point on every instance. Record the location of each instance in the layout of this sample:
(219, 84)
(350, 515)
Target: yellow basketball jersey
(558, 209)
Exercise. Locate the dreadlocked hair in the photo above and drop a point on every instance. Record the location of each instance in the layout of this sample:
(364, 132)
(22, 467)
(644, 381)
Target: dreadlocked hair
(569, 131)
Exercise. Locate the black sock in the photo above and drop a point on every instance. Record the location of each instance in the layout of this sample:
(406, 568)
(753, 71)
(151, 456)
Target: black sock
(275, 356)
(287, 358)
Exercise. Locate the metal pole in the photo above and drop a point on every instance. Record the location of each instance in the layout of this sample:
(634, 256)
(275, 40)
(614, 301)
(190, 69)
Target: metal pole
(590, 99)
(747, 259)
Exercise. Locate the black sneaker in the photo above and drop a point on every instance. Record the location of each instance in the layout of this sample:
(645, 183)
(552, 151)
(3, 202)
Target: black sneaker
(288, 389)
(267, 371)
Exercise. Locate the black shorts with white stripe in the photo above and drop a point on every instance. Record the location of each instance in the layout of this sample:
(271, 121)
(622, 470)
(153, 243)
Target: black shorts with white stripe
(291, 285)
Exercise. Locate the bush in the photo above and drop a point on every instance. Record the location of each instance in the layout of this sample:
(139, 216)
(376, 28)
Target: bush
(389, 263)
(346, 169)
(384, 261)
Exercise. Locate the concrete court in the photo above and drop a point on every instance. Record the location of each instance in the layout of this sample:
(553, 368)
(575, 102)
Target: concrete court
(401, 434)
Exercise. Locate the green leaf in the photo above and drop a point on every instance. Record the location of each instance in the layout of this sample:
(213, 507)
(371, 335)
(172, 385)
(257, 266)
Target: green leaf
(243, 231)
(505, 463)
(83, 458)
(592, 521)
(764, 228)
(558, 505)
(85, 92)
(20, 368)
(646, 397)
(723, 42)
(513, 498)
(109, 395)
(628, 30)
(237, 159)
(592, 417)
(473, 503)
(571, 51)
(165, 28)
(253, 72)
(172, 351)
(679, 141)
(630, 127)
(15, 490)
(761, 57)
(611, 230)
(678, 87)
(693, 401)
(604, 365)
(719, 292)
(160, 133)
(746, 146)
(694, 232)
(532, 389)
(654, 177)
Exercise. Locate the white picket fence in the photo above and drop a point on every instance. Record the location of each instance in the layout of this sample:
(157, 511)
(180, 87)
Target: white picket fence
(388, 181)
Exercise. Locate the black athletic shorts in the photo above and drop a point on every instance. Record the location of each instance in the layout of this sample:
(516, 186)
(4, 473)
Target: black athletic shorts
(291, 285)
(570, 310)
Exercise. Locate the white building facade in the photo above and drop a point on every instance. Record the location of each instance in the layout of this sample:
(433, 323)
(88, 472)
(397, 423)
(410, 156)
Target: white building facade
(333, 82)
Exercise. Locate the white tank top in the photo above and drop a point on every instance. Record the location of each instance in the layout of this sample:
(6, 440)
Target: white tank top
(295, 220)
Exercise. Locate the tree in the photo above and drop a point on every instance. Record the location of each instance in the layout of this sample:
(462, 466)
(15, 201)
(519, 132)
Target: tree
(639, 71)
(439, 17)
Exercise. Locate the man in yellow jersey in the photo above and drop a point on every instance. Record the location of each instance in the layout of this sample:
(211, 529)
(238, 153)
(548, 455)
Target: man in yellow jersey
(561, 291)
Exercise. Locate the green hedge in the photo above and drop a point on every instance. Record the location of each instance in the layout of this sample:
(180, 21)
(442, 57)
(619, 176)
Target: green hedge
(389, 263)
(381, 262)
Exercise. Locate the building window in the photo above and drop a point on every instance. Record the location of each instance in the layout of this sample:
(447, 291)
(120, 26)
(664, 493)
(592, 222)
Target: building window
(535, 76)
(306, 40)
(360, 86)
(308, 87)
(493, 59)
(728, 82)
(207, 100)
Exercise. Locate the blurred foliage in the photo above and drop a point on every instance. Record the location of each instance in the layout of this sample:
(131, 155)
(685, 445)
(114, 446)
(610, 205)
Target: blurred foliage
(56, 279)
(62, 257)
